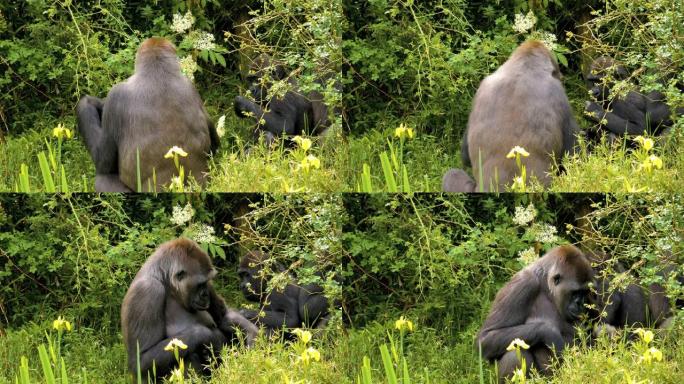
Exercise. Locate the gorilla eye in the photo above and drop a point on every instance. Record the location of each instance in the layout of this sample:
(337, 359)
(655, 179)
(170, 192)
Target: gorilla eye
(556, 279)
(180, 275)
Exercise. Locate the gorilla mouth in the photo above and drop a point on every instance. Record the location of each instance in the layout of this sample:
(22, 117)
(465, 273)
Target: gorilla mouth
(201, 305)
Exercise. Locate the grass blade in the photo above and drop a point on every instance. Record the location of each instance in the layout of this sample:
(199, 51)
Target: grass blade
(137, 169)
(365, 371)
(366, 185)
(48, 182)
(24, 185)
(24, 371)
(390, 181)
(45, 363)
(387, 364)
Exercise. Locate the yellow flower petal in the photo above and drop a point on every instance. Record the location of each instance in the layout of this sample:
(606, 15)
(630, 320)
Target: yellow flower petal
(517, 343)
(175, 151)
(517, 150)
(175, 343)
(304, 336)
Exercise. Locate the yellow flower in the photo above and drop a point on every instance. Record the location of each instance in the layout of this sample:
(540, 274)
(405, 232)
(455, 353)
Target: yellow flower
(517, 343)
(403, 131)
(645, 335)
(651, 354)
(304, 336)
(517, 150)
(175, 343)
(303, 142)
(518, 376)
(308, 355)
(645, 142)
(61, 325)
(176, 376)
(656, 161)
(175, 151)
(61, 133)
(309, 162)
(403, 324)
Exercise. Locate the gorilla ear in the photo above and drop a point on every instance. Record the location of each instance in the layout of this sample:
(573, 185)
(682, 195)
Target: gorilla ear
(180, 275)
(556, 279)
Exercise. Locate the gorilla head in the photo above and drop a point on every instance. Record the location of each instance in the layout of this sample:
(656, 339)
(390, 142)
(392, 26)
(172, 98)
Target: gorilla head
(261, 74)
(252, 275)
(190, 278)
(568, 282)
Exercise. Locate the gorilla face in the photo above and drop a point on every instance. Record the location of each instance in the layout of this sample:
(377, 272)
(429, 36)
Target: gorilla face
(262, 74)
(251, 284)
(192, 285)
(602, 76)
(569, 291)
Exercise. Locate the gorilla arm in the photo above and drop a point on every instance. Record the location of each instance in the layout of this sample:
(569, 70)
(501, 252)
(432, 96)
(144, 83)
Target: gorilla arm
(101, 145)
(143, 316)
(457, 180)
(228, 319)
(614, 123)
(313, 305)
(507, 320)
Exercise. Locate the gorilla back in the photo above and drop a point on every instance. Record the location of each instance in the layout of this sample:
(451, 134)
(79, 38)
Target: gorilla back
(143, 117)
(522, 104)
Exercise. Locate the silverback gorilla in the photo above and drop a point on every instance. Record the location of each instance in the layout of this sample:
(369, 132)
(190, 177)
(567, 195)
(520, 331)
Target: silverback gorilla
(294, 306)
(522, 104)
(635, 114)
(146, 115)
(172, 297)
(540, 305)
(293, 114)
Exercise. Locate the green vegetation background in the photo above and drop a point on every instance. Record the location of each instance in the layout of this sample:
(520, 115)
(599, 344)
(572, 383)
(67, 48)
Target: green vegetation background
(435, 260)
(403, 63)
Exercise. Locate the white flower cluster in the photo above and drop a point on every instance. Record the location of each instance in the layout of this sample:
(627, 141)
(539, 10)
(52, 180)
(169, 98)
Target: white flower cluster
(188, 67)
(527, 256)
(221, 126)
(549, 40)
(544, 233)
(524, 216)
(204, 234)
(204, 41)
(182, 23)
(180, 215)
(523, 24)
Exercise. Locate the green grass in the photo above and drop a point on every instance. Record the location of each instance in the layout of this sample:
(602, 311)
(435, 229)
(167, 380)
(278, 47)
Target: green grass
(241, 165)
(431, 357)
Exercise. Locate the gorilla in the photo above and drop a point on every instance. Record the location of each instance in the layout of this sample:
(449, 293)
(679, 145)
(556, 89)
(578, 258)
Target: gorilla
(522, 104)
(541, 305)
(635, 114)
(293, 114)
(172, 297)
(141, 119)
(295, 306)
(457, 180)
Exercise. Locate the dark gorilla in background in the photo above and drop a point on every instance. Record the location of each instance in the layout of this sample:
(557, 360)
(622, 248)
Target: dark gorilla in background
(153, 110)
(295, 306)
(522, 104)
(293, 114)
(540, 305)
(172, 297)
(635, 114)
(632, 306)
